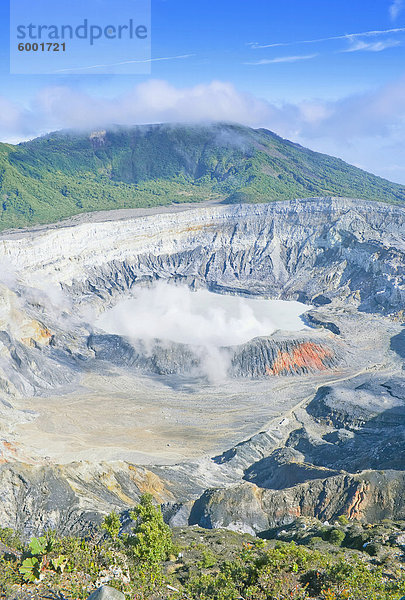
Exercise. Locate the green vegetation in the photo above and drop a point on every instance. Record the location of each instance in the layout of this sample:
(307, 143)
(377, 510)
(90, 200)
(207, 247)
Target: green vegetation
(36, 559)
(336, 536)
(146, 560)
(63, 174)
(112, 525)
(152, 539)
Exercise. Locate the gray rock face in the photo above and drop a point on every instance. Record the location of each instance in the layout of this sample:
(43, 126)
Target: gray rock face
(312, 250)
(271, 356)
(249, 508)
(163, 358)
(285, 468)
(29, 370)
(261, 357)
(105, 592)
(355, 467)
(334, 248)
(368, 422)
(333, 439)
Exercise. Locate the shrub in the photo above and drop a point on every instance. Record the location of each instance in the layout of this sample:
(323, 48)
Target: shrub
(336, 537)
(152, 540)
(10, 537)
(112, 524)
(315, 540)
(208, 559)
(373, 548)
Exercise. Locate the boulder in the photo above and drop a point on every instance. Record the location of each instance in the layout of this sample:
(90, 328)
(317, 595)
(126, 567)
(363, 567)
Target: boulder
(105, 592)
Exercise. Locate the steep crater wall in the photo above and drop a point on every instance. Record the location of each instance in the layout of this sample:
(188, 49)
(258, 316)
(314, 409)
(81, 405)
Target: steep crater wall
(261, 357)
(301, 249)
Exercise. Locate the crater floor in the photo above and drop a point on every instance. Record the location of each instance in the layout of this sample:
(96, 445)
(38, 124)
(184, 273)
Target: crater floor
(148, 421)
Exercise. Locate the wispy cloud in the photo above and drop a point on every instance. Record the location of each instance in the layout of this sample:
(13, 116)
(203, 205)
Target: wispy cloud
(281, 59)
(346, 36)
(395, 8)
(126, 62)
(357, 45)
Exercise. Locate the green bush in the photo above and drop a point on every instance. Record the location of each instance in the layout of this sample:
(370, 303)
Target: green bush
(10, 537)
(112, 524)
(373, 548)
(336, 537)
(152, 538)
(208, 559)
(343, 520)
(356, 537)
(315, 540)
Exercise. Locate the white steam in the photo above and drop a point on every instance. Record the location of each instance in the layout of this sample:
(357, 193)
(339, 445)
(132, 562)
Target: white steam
(201, 318)
(207, 321)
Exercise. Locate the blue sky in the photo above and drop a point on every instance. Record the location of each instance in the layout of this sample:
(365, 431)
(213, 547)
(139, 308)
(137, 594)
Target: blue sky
(329, 74)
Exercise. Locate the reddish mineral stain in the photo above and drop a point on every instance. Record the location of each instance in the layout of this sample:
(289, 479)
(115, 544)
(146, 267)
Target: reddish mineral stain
(305, 355)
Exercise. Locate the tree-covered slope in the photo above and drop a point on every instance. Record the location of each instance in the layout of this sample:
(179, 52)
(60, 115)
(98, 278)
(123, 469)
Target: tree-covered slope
(65, 173)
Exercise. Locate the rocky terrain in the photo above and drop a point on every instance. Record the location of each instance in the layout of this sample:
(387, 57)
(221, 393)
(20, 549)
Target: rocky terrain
(308, 423)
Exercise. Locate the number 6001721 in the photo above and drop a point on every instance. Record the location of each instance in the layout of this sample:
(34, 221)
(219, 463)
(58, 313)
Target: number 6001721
(42, 47)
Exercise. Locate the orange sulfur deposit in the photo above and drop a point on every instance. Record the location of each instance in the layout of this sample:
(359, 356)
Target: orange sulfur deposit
(306, 355)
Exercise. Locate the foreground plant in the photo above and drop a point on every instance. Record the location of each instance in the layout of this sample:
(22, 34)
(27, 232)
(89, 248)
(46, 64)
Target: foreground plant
(35, 565)
(152, 538)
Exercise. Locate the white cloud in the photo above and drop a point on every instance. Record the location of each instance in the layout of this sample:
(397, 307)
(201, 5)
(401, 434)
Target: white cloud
(375, 113)
(13, 119)
(395, 8)
(149, 102)
(366, 41)
(360, 45)
(281, 59)
(58, 107)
